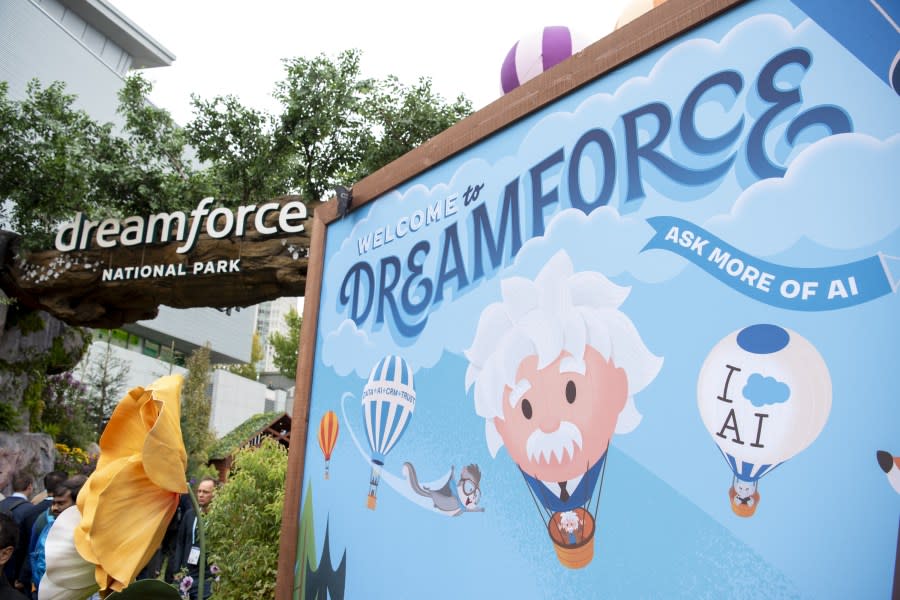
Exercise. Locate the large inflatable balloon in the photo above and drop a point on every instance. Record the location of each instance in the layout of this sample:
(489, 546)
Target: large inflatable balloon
(388, 401)
(537, 52)
(328, 432)
(634, 9)
(764, 395)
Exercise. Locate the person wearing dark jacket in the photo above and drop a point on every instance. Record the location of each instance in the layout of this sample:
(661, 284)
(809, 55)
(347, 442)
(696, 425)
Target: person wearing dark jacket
(36, 520)
(187, 544)
(9, 536)
(20, 509)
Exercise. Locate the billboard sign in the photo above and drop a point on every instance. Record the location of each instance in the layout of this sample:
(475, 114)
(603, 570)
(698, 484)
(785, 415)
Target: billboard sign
(638, 343)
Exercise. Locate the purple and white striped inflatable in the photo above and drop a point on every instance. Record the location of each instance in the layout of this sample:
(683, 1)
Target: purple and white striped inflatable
(537, 52)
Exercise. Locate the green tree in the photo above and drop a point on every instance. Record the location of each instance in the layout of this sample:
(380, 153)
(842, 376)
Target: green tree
(105, 378)
(287, 345)
(323, 124)
(248, 370)
(196, 407)
(154, 170)
(65, 414)
(405, 118)
(52, 158)
(244, 523)
(55, 161)
(337, 126)
(238, 144)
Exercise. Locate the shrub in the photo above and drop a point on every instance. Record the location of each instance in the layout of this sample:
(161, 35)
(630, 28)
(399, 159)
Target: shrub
(244, 523)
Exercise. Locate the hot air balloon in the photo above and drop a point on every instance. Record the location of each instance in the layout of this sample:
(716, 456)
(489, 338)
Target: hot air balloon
(764, 395)
(328, 432)
(634, 9)
(537, 52)
(388, 401)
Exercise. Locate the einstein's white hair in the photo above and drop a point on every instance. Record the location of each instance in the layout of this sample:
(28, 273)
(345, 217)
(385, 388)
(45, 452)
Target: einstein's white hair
(560, 311)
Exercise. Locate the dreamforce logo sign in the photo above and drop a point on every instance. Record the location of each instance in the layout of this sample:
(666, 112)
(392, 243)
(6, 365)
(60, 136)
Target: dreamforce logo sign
(84, 234)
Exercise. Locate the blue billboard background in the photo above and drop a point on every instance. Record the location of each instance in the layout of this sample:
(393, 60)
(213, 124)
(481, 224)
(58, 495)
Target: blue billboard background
(742, 174)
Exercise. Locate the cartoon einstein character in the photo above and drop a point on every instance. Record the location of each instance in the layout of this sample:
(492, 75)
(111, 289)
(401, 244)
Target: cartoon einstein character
(555, 367)
(569, 524)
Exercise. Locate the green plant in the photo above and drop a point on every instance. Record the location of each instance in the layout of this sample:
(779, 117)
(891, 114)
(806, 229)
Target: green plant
(204, 471)
(244, 523)
(33, 400)
(287, 344)
(65, 415)
(9, 418)
(196, 407)
(72, 460)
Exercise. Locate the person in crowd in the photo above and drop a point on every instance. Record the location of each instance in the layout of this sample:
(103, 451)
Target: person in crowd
(165, 554)
(187, 545)
(19, 507)
(64, 496)
(52, 480)
(9, 536)
(22, 489)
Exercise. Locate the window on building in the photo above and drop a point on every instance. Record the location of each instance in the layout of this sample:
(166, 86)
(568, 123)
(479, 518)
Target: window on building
(150, 349)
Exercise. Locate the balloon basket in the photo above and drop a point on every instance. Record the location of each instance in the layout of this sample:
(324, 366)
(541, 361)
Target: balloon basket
(370, 502)
(580, 553)
(326, 475)
(743, 510)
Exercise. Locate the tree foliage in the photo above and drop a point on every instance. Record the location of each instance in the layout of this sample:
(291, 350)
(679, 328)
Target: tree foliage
(56, 161)
(65, 415)
(238, 145)
(323, 126)
(287, 345)
(244, 523)
(105, 376)
(196, 407)
(405, 117)
(248, 370)
(335, 127)
(155, 171)
(53, 161)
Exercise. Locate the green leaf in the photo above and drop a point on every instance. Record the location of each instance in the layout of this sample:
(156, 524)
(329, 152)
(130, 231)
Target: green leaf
(146, 589)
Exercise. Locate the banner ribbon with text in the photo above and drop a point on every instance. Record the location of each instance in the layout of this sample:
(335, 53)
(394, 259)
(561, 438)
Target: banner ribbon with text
(793, 288)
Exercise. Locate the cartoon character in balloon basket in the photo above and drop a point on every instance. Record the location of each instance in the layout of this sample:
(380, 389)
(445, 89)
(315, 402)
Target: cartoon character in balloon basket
(555, 366)
(569, 525)
(764, 395)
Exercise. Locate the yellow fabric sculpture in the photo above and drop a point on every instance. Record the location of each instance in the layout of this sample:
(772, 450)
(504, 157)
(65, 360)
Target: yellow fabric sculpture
(129, 499)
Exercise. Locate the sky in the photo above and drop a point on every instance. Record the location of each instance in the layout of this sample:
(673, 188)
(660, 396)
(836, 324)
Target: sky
(236, 46)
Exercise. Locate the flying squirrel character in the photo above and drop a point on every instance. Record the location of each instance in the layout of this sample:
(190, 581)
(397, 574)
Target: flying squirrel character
(451, 499)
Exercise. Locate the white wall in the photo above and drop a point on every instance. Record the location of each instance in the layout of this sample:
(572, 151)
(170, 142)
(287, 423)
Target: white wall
(236, 399)
(34, 45)
(142, 370)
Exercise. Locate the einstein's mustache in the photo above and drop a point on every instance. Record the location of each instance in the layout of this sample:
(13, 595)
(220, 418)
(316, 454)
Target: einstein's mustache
(541, 446)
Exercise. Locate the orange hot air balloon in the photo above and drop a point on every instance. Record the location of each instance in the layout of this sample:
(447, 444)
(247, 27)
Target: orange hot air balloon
(328, 432)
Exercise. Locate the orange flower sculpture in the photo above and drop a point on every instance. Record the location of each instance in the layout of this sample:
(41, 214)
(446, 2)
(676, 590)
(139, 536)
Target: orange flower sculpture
(129, 499)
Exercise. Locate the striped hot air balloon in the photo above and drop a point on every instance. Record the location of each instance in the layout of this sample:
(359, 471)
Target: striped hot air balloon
(328, 432)
(536, 52)
(388, 401)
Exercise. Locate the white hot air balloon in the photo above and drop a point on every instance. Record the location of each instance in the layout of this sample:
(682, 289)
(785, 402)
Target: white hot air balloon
(764, 394)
